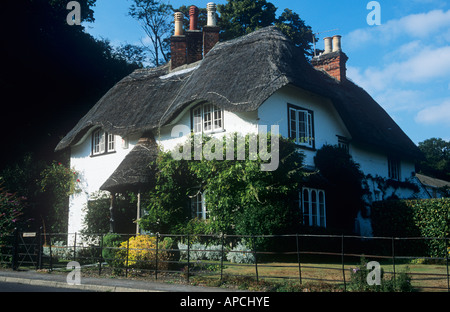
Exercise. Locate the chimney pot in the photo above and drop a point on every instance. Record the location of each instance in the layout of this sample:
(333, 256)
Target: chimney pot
(178, 24)
(211, 9)
(332, 63)
(193, 14)
(327, 42)
(336, 43)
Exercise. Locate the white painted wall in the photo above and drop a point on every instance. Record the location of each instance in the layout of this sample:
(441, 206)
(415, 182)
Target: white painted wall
(327, 123)
(241, 122)
(93, 171)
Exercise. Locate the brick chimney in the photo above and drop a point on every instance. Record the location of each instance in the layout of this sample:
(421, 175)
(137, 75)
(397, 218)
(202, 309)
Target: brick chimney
(192, 45)
(193, 37)
(332, 60)
(210, 31)
(178, 43)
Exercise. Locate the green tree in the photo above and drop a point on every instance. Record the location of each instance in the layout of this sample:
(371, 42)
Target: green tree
(437, 158)
(295, 28)
(55, 73)
(240, 17)
(240, 197)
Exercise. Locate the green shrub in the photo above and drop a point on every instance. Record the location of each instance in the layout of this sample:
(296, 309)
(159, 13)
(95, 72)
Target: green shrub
(142, 253)
(241, 254)
(358, 281)
(111, 248)
(214, 252)
(428, 218)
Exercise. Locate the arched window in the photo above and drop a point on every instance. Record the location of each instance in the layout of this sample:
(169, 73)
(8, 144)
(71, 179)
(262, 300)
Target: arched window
(313, 207)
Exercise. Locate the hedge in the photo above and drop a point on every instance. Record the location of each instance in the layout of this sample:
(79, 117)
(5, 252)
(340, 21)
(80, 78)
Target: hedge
(426, 218)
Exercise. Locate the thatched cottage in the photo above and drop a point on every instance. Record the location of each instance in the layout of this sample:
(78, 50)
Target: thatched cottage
(260, 79)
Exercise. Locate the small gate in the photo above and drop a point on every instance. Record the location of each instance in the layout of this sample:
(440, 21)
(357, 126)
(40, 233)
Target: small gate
(27, 250)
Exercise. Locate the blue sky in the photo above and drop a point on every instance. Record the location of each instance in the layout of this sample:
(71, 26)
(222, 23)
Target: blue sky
(404, 62)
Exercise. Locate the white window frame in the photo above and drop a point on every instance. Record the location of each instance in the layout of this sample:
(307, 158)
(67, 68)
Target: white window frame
(301, 126)
(198, 206)
(207, 118)
(394, 167)
(98, 142)
(111, 142)
(103, 142)
(313, 207)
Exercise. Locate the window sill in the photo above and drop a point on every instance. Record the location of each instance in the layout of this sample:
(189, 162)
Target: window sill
(102, 154)
(210, 132)
(313, 149)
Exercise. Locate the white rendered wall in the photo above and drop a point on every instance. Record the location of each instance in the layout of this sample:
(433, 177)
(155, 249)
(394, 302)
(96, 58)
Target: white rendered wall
(241, 122)
(327, 123)
(93, 171)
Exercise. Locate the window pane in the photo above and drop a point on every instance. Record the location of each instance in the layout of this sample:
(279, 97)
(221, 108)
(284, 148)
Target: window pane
(197, 119)
(306, 207)
(111, 142)
(302, 126)
(217, 118)
(207, 117)
(314, 207)
(322, 208)
(309, 132)
(96, 142)
(293, 124)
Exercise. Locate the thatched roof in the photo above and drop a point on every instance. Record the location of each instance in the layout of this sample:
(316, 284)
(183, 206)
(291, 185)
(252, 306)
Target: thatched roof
(134, 172)
(238, 75)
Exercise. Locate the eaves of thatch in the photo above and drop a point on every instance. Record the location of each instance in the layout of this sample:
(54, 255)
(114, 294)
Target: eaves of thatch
(134, 174)
(238, 75)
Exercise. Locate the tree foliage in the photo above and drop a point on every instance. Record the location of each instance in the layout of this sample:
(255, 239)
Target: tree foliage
(437, 158)
(240, 17)
(53, 75)
(240, 197)
(344, 186)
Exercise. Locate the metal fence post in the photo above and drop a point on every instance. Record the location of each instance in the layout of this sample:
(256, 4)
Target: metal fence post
(298, 259)
(39, 250)
(256, 260)
(75, 247)
(50, 251)
(188, 256)
(128, 251)
(15, 249)
(100, 258)
(393, 255)
(447, 251)
(343, 265)
(221, 259)
(156, 267)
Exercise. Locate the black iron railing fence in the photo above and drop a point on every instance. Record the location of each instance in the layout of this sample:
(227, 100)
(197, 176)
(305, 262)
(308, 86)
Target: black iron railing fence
(301, 257)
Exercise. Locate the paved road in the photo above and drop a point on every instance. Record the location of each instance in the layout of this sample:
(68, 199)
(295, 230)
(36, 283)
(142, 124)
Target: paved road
(18, 287)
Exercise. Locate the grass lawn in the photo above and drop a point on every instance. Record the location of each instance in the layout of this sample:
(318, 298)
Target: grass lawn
(424, 277)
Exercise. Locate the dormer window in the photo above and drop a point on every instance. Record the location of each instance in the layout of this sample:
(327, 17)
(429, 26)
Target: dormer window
(207, 118)
(103, 142)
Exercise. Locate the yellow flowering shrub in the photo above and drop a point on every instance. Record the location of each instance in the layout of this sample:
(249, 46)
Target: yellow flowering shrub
(142, 253)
